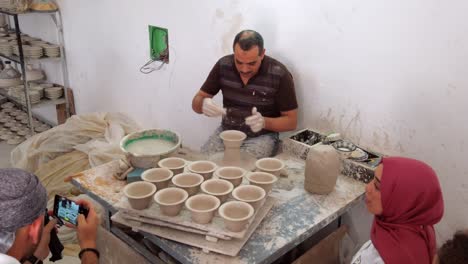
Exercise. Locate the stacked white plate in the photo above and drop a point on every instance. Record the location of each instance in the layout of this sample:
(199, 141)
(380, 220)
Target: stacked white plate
(18, 93)
(34, 52)
(7, 4)
(53, 93)
(6, 48)
(51, 50)
(38, 88)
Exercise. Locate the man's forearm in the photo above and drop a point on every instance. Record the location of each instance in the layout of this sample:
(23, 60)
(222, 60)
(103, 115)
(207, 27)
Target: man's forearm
(197, 103)
(280, 124)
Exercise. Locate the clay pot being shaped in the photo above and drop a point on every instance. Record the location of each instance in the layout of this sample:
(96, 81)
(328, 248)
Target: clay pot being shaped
(232, 138)
(139, 194)
(203, 167)
(236, 215)
(270, 165)
(171, 200)
(250, 194)
(321, 169)
(202, 207)
(176, 165)
(158, 176)
(261, 179)
(190, 182)
(218, 188)
(232, 174)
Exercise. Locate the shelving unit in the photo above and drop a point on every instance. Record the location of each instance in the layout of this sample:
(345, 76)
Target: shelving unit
(21, 60)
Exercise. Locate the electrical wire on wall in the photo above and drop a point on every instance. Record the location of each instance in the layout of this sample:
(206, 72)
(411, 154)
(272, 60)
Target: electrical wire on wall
(149, 68)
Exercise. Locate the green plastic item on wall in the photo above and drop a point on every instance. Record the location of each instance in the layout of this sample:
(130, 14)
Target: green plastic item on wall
(159, 43)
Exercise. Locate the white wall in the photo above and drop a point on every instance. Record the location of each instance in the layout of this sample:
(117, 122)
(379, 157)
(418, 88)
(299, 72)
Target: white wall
(390, 75)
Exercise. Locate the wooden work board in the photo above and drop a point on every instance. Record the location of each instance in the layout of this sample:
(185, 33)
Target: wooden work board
(230, 247)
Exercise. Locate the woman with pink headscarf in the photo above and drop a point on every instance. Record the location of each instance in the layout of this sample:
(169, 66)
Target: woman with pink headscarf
(406, 199)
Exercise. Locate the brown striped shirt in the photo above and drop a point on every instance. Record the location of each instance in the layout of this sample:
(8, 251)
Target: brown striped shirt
(271, 90)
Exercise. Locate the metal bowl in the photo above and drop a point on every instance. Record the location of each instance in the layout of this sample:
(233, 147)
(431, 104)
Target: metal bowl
(150, 158)
(345, 148)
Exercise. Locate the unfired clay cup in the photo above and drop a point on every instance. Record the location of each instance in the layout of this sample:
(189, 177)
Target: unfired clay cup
(232, 174)
(188, 181)
(236, 215)
(203, 167)
(218, 187)
(139, 194)
(176, 165)
(171, 200)
(270, 165)
(262, 179)
(250, 194)
(232, 138)
(158, 176)
(202, 207)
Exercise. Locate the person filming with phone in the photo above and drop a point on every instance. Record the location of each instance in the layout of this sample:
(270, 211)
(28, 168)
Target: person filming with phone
(23, 235)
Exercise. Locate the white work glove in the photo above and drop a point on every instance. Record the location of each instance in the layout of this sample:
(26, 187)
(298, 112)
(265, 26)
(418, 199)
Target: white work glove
(256, 121)
(209, 108)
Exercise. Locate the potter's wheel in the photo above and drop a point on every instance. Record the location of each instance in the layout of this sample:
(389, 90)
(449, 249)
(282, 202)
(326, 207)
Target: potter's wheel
(246, 161)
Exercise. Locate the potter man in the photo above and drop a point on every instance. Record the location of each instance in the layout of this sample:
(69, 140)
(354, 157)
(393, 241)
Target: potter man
(258, 97)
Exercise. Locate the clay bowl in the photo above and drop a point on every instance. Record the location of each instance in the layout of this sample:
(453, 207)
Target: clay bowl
(232, 174)
(176, 165)
(202, 207)
(158, 176)
(270, 165)
(203, 167)
(232, 138)
(139, 194)
(236, 215)
(188, 181)
(171, 200)
(264, 180)
(218, 188)
(250, 194)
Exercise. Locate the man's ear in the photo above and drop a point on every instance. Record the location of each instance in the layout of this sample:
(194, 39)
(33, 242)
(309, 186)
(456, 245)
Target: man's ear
(262, 54)
(35, 230)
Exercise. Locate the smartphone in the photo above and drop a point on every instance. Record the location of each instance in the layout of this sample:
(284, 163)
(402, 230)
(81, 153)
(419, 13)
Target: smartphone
(67, 210)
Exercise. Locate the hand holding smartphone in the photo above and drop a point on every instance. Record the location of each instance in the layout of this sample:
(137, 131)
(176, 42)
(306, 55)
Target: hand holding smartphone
(67, 210)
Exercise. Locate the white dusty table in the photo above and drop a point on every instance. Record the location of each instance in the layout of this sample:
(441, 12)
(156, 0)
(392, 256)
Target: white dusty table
(295, 217)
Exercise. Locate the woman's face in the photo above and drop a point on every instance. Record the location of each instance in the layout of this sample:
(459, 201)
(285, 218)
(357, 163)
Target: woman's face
(373, 196)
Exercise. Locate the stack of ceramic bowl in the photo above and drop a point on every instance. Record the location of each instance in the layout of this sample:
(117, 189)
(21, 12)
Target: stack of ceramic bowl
(5, 47)
(34, 98)
(7, 4)
(38, 88)
(33, 52)
(53, 93)
(51, 50)
(18, 93)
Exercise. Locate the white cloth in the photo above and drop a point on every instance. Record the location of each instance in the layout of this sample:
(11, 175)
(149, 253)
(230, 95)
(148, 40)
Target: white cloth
(367, 254)
(5, 259)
